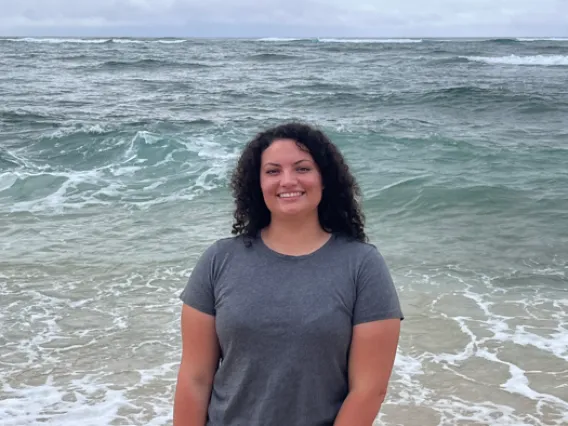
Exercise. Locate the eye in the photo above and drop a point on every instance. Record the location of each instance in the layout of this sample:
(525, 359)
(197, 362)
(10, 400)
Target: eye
(271, 172)
(303, 169)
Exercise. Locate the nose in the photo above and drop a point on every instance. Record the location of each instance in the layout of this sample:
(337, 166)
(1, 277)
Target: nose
(288, 178)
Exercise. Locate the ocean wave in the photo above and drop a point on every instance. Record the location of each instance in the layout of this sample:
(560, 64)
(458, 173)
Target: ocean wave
(8, 160)
(20, 116)
(24, 116)
(543, 39)
(122, 186)
(149, 63)
(502, 40)
(343, 98)
(369, 40)
(281, 39)
(459, 92)
(73, 57)
(72, 170)
(266, 57)
(323, 87)
(92, 40)
(144, 41)
(421, 196)
(7, 180)
(342, 40)
(449, 60)
(542, 60)
(480, 98)
(58, 40)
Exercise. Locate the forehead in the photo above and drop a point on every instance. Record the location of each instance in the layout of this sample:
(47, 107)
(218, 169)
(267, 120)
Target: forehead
(284, 150)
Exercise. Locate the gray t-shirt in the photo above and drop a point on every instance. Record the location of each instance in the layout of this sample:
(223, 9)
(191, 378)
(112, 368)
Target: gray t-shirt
(284, 325)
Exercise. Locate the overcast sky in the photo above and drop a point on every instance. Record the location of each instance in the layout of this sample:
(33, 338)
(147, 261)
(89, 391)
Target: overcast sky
(284, 18)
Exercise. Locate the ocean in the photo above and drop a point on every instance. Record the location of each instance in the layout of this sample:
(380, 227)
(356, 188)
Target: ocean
(114, 164)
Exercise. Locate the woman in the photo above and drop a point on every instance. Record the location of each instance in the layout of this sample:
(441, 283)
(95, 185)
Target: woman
(295, 320)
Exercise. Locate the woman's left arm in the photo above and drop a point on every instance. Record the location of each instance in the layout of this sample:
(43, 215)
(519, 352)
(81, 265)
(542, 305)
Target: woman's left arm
(371, 360)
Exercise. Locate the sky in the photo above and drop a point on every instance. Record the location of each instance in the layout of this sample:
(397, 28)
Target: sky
(285, 18)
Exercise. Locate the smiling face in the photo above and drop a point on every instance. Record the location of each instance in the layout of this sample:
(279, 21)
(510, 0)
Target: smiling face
(290, 180)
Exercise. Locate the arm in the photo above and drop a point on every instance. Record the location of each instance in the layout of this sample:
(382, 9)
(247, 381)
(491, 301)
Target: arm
(371, 359)
(200, 357)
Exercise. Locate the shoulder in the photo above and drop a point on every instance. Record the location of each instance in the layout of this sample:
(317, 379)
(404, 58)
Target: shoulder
(355, 249)
(215, 258)
(223, 247)
(360, 257)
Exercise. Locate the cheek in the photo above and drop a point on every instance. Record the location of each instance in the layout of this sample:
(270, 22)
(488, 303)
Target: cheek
(315, 184)
(266, 186)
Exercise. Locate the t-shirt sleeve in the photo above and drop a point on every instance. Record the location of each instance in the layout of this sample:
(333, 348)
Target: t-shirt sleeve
(376, 297)
(198, 292)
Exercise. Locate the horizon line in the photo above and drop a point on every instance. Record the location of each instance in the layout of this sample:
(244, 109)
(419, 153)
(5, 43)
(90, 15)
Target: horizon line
(282, 37)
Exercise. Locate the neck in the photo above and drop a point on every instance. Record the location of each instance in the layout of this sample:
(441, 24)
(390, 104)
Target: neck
(294, 236)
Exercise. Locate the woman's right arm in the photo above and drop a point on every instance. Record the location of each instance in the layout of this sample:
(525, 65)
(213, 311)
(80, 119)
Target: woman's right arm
(199, 361)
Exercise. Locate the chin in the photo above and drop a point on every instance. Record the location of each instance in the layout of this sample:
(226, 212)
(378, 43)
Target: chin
(290, 213)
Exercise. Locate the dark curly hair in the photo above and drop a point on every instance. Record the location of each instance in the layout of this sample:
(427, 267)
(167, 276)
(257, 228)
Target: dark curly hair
(339, 210)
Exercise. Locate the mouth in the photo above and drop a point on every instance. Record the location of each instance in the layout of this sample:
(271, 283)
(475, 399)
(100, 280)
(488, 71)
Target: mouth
(288, 195)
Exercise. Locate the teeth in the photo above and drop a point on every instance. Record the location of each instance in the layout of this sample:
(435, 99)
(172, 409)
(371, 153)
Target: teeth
(290, 194)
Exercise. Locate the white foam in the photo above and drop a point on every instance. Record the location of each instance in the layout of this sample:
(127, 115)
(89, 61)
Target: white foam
(487, 329)
(59, 40)
(460, 356)
(124, 179)
(405, 180)
(370, 40)
(93, 396)
(147, 137)
(543, 39)
(65, 199)
(164, 370)
(206, 180)
(145, 398)
(67, 131)
(556, 343)
(60, 199)
(126, 41)
(169, 41)
(7, 180)
(135, 41)
(27, 404)
(518, 383)
(406, 372)
(93, 40)
(453, 410)
(544, 60)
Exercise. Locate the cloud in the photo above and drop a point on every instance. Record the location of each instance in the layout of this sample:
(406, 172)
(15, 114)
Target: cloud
(344, 17)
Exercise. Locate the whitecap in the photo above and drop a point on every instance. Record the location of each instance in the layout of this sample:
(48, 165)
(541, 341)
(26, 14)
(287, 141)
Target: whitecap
(544, 60)
(7, 180)
(543, 39)
(59, 40)
(370, 40)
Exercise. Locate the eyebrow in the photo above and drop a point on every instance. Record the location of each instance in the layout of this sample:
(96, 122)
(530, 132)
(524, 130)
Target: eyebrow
(297, 162)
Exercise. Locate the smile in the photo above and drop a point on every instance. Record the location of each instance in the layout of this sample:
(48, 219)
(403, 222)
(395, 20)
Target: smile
(290, 194)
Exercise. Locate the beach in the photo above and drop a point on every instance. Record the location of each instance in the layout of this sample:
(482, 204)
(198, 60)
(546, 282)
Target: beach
(114, 164)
